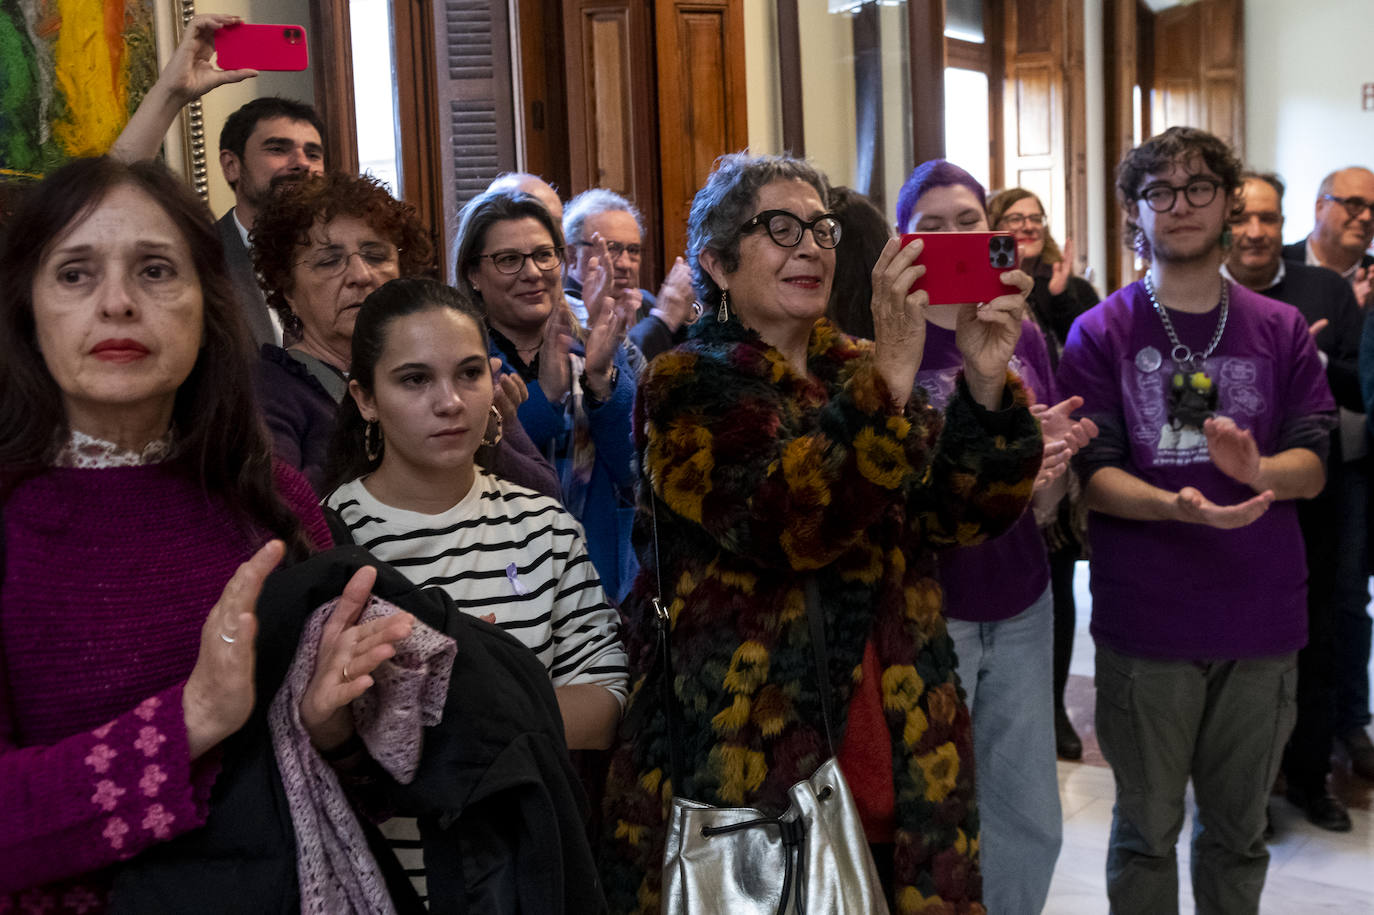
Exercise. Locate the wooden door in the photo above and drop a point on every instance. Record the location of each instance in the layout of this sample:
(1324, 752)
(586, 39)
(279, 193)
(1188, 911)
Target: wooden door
(1043, 110)
(612, 108)
(701, 101)
(1198, 74)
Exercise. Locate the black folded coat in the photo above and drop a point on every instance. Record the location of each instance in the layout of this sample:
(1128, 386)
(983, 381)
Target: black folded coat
(501, 813)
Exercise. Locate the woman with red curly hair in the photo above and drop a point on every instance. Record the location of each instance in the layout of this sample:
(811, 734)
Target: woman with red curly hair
(320, 247)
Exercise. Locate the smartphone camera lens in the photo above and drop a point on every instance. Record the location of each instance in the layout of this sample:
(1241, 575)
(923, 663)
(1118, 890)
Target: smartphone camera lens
(1002, 252)
(293, 36)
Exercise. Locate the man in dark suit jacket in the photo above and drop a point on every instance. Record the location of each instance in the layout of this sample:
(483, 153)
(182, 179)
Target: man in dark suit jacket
(265, 142)
(1340, 241)
(1335, 564)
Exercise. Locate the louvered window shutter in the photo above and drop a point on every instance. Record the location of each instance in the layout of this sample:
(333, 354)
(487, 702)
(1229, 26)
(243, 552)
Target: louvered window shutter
(476, 121)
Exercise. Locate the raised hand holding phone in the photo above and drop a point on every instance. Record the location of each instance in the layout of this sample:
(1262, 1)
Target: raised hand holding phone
(964, 267)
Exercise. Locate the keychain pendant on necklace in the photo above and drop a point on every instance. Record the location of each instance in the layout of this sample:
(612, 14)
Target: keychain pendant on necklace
(1192, 393)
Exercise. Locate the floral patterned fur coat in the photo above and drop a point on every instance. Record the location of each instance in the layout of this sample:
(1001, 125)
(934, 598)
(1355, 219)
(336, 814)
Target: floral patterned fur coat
(764, 479)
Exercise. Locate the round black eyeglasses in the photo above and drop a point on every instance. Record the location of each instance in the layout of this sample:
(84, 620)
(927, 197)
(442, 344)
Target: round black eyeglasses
(786, 228)
(1198, 192)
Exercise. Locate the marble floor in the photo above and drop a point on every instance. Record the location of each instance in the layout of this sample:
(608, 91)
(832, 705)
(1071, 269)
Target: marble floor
(1310, 871)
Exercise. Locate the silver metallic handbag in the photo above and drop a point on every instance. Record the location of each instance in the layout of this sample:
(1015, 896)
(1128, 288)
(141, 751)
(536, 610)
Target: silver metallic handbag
(812, 860)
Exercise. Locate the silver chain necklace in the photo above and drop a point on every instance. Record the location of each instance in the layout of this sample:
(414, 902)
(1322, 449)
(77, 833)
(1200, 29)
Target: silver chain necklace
(1183, 356)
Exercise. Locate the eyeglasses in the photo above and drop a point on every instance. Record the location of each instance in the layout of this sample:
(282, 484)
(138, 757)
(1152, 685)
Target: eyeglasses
(332, 262)
(1017, 220)
(1198, 191)
(786, 228)
(514, 261)
(615, 249)
(1353, 205)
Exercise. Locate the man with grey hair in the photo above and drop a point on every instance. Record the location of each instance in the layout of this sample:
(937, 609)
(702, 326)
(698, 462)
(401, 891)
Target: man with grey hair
(604, 233)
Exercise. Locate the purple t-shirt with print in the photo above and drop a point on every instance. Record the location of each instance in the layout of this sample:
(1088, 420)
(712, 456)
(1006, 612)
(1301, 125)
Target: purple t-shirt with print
(997, 579)
(1166, 589)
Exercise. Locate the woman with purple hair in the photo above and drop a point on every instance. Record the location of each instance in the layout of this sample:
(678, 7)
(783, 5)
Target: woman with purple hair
(997, 593)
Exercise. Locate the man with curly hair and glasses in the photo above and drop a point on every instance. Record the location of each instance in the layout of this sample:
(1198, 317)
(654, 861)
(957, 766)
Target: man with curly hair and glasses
(1214, 414)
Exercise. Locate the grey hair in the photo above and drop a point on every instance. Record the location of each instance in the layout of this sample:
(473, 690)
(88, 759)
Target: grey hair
(726, 201)
(590, 203)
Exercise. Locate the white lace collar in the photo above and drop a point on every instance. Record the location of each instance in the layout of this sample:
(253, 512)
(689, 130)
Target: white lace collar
(88, 453)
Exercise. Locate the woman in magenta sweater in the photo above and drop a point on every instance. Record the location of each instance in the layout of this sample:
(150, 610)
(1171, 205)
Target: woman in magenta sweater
(141, 513)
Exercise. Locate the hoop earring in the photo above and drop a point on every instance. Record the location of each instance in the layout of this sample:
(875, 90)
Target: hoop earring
(500, 426)
(723, 312)
(372, 440)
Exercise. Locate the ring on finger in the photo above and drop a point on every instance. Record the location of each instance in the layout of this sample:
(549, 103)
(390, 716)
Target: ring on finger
(346, 677)
(227, 639)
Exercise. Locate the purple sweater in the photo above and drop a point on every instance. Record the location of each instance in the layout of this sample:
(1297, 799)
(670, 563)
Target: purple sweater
(108, 577)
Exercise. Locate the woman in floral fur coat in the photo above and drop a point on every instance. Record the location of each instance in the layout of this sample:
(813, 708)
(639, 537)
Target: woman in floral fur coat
(778, 451)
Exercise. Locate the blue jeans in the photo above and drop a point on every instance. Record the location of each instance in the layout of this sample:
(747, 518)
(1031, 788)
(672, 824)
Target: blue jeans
(1221, 723)
(1007, 672)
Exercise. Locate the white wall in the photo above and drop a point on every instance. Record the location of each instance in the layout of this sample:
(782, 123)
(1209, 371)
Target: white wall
(220, 103)
(761, 76)
(1304, 68)
(1101, 206)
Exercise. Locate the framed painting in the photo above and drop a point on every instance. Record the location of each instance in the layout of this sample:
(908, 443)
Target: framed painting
(73, 71)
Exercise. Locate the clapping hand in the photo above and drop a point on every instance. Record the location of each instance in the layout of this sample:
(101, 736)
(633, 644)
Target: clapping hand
(348, 654)
(675, 297)
(1061, 271)
(509, 391)
(1064, 437)
(555, 379)
(218, 696)
(603, 339)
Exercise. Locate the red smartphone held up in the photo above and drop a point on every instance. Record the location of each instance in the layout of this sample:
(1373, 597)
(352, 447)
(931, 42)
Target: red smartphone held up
(261, 46)
(964, 266)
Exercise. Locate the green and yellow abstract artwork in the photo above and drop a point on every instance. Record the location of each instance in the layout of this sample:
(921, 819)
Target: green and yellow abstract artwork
(71, 73)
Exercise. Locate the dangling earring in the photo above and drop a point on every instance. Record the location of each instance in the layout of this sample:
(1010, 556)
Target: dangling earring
(1141, 246)
(723, 312)
(1227, 237)
(500, 426)
(372, 440)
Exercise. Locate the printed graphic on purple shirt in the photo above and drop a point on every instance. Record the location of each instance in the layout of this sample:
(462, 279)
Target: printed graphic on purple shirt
(1166, 406)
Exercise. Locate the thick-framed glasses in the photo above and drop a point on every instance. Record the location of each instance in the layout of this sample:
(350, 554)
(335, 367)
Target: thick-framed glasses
(615, 249)
(1198, 191)
(1353, 205)
(331, 262)
(786, 228)
(1015, 221)
(514, 261)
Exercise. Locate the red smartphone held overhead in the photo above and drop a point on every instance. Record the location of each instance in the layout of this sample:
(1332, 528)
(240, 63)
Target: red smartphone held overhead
(261, 46)
(964, 266)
